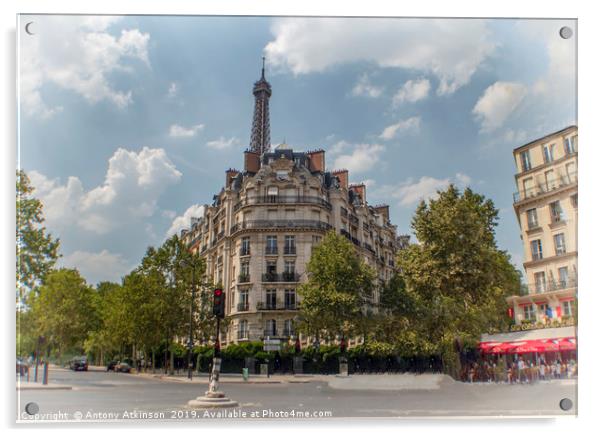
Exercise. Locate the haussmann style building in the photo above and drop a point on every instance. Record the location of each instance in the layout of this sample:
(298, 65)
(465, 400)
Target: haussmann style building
(257, 235)
(546, 209)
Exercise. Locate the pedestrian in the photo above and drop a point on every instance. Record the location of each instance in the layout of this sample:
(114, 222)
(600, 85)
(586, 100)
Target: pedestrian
(521, 369)
(542, 370)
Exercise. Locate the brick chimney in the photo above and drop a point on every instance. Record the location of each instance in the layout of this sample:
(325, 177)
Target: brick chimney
(383, 210)
(317, 161)
(251, 161)
(343, 176)
(360, 190)
(230, 174)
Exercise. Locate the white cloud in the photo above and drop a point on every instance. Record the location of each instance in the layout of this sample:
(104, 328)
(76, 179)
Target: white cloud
(77, 54)
(183, 221)
(412, 91)
(173, 90)
(357, 158)
(410, 192)
(223, 143)
(410, 125)
(364, 88)
(497, 103)
(97, 266)
(132, 186)
(451, 50)
(177, 131)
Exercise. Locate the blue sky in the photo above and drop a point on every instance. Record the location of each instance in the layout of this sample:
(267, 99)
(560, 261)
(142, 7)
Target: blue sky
(128, 123)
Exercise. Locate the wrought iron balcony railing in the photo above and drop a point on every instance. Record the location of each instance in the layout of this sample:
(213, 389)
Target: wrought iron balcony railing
(276, 306)
(242, 278)
(244, 251)
(547, 286)
(271, 250)
(281, 224)
(243, 306)
(280, 277)
(258, 200)
(546, 187)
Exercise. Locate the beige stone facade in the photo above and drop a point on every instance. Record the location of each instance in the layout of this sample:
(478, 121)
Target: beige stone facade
(257, 236)
(546, 209)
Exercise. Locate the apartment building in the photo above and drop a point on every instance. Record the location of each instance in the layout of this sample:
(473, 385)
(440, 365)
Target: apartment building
(546, 208)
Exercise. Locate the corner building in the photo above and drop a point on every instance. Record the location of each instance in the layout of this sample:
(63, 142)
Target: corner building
(258, 234)
(546, 209)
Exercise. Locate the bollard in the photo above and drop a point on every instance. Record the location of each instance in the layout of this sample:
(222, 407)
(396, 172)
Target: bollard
(245, 373)
(45, 376)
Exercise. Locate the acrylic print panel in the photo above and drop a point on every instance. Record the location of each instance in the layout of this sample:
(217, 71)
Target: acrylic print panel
(295, 218)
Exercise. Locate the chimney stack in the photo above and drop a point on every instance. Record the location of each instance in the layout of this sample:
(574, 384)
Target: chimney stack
(251, 161)
(360, 190)
(316, 160)
(343, 176)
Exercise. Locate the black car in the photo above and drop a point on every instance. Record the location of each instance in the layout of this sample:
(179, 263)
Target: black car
(111, 365)
(79, 363)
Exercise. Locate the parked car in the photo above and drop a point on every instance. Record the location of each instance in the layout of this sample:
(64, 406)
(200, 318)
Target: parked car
(123, 367)
(79, 363)
(111, 365)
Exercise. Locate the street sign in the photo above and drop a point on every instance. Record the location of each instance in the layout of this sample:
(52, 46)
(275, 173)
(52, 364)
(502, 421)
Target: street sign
(271, 341)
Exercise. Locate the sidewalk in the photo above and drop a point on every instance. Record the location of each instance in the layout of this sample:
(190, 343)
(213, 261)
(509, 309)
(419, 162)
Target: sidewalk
(39, 386)
(235, 378)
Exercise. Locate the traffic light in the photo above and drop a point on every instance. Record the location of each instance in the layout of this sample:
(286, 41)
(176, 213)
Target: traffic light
(219, 303)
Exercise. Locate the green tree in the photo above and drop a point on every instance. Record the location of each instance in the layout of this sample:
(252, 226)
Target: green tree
(456, 279)
(64, 310)
(37, 251)
(339, 287)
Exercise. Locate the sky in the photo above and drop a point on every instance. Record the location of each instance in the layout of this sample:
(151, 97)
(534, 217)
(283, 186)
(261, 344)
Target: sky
(127, 124)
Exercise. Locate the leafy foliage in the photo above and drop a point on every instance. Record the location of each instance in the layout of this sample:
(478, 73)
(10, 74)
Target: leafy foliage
(37, 250)
(339, 286)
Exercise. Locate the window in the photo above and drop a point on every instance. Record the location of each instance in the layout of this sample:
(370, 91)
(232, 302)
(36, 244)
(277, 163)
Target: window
(540, 282)
(548, 153)
(243, 329)
(528, 187)
(272, 194)
(532, 218)
(245, 246)
(243, 300)
(544, 310)
(244, 272)
(550, 180)
(525, 160)
(271, 245)
(559, 244)
(316, 239)
(270, 299)
(289, 267)
(571, 172)
(270, 268)
(290, 299)
(570, 144)
(528, 312)
(567, 308)
(536, 250)
(556, 212)
(270, 328)
(288, 328)
(289, 245)
(563, 277)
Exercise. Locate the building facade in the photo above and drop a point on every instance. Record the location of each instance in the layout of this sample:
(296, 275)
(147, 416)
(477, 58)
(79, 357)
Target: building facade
(257, 235)
(546, 208)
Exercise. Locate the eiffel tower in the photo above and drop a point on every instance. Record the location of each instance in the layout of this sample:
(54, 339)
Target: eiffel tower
(260, 131)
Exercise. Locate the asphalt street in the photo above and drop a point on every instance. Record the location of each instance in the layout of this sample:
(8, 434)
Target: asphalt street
(108, 396)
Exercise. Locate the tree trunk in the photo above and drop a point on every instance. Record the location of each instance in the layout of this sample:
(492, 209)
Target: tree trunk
(171, 358)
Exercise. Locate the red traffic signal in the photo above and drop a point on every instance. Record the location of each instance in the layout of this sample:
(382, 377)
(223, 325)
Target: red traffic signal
(219, 303)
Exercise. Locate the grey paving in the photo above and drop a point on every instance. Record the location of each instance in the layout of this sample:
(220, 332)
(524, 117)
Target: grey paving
(106, 396)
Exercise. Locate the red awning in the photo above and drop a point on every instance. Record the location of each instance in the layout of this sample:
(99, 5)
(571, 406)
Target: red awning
(529, 346)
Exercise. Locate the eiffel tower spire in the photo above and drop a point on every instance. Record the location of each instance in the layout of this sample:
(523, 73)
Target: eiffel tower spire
(260, 131)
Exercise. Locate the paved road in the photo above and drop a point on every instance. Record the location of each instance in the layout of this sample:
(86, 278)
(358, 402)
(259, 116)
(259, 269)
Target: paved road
(106, 396)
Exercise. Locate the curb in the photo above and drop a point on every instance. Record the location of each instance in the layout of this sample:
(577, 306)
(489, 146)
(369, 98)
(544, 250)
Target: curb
(58, 387)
